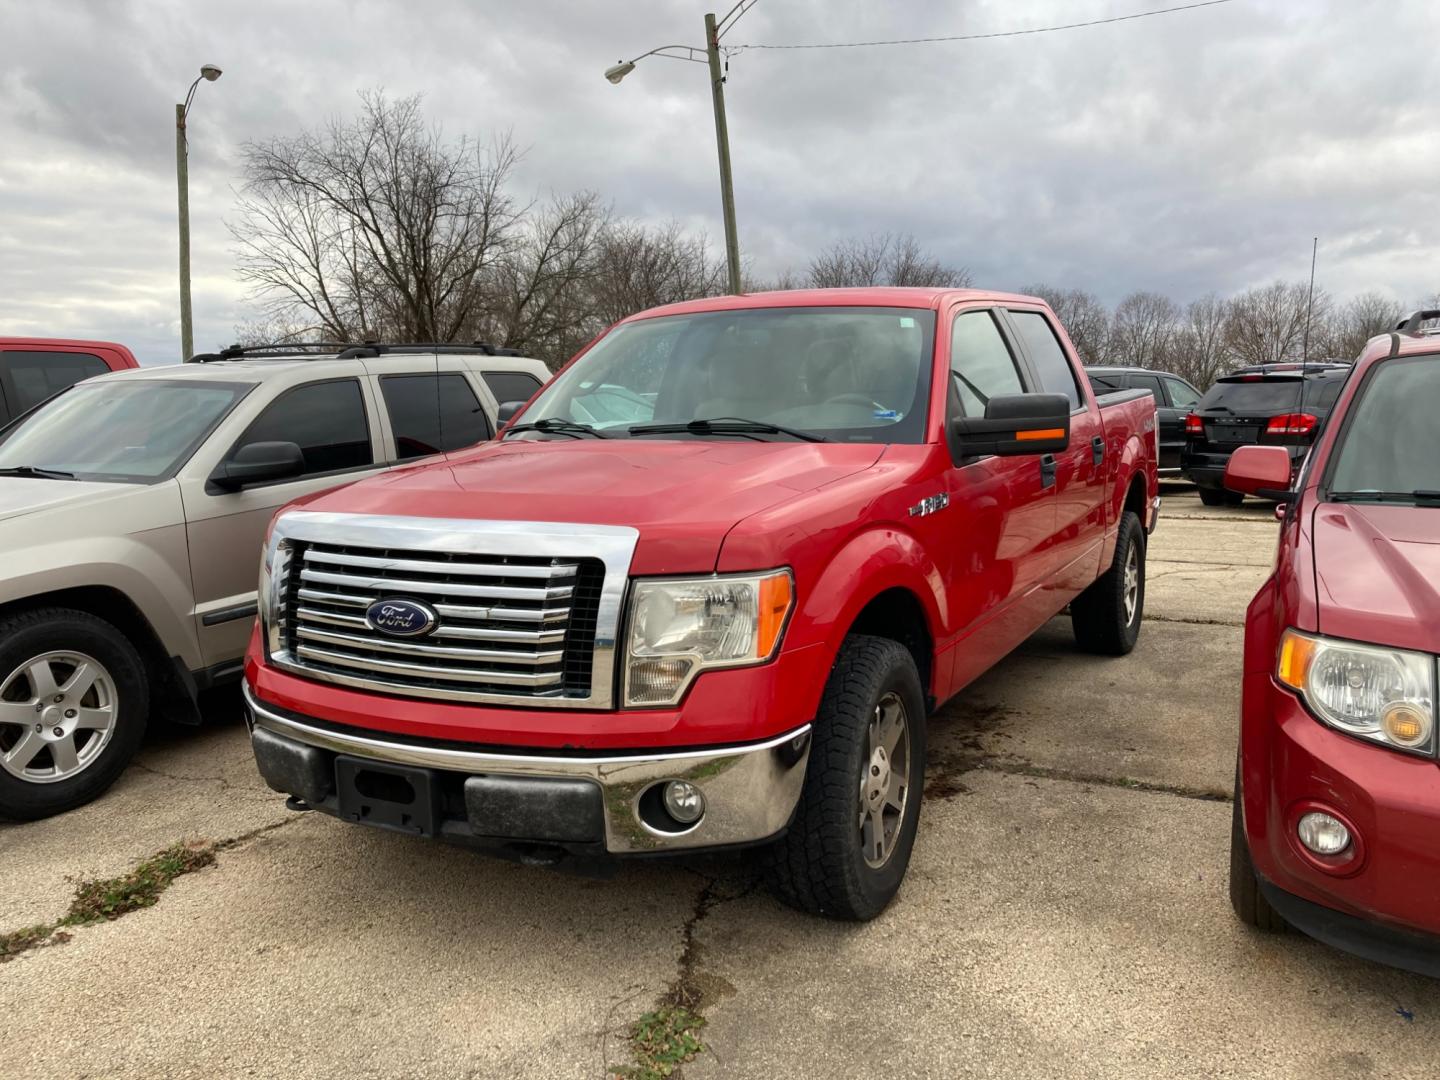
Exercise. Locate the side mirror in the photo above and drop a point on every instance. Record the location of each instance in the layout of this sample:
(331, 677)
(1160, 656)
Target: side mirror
(258, 463)
(1260, 470)
(507, 412)
(1015, 424)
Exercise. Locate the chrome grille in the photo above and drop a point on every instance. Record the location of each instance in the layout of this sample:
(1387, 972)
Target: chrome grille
(512, 625)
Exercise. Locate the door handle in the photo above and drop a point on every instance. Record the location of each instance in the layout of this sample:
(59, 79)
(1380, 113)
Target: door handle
(1097, 450)
(1047, 470)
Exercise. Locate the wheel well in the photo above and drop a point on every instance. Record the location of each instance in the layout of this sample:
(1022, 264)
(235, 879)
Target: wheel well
(898, 615)
(1135, 497)
(112, 605)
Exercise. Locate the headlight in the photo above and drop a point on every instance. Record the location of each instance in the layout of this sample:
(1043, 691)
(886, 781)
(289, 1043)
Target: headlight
(1384, 695)
(680, 627)
(274, 568)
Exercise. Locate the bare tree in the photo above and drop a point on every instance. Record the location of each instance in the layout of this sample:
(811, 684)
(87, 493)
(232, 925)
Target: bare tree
(1198, 352)
(1083, 315)
(1354, 324)
(1142, 330)
(638, 268)
(376, 224)
(882, 259)
(1267, 323)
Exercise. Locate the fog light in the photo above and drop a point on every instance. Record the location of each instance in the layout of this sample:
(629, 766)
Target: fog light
(1323, 834)
(684, 802)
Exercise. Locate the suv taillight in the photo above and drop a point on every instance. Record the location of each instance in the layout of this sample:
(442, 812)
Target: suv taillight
(1194, 425)
(1297, 423)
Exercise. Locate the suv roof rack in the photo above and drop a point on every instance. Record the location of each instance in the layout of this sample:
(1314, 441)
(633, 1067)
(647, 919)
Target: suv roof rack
(345, 350)
(1305, 367)
(1413, 322)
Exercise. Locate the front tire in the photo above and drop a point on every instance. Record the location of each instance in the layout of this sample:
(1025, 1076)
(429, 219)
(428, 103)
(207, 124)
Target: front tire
(848, 846)
(1106, 617)
(1250, 905)
(73, 707)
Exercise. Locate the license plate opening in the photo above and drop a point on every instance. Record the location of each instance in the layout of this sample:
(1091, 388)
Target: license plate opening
(396, 797)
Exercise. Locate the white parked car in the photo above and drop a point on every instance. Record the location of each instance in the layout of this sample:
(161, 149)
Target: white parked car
(132, 509)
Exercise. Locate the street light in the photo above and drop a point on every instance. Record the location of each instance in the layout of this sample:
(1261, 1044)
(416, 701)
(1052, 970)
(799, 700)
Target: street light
(208, 72)
(714, 31)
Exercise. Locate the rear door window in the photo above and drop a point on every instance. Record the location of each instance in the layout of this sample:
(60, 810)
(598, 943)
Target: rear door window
(510, 385)
(1149, 383)
(325, 419)
(1051, 364)
(28, 378)
(980, 362)
(432, 414)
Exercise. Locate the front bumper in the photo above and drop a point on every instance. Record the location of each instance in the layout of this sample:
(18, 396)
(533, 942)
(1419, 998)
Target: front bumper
(1290, 763)
(601, 804)
(1402, 949)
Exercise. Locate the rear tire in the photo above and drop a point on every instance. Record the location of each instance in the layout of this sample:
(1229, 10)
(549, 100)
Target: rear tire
(1106, 617)
(73, 708)
(1249, 902)
(1220, 497)
(848, 846)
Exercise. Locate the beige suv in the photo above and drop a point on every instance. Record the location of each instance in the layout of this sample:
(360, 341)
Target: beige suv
(132, 509)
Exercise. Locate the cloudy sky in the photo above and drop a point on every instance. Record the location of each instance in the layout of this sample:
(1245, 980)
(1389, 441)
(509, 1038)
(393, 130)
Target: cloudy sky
(1186, 153)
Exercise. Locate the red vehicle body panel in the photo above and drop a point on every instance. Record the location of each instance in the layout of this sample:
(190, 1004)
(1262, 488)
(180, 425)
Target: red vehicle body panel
(984, 573)
(116, 357)
(1366, 573)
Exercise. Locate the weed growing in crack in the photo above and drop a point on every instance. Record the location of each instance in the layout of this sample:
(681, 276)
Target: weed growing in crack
(108, 898)
(662, 1041)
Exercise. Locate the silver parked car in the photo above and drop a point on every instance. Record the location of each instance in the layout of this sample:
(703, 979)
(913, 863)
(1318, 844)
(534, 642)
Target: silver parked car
(132, 510)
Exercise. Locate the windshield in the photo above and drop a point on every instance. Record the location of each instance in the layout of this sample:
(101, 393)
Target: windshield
(842, 373)
(128, 431)
(1390, 435)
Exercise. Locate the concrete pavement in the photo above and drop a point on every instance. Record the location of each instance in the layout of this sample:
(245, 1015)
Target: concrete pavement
(1065, 913)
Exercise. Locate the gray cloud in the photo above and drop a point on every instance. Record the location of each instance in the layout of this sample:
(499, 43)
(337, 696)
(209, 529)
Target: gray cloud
(1185, 153)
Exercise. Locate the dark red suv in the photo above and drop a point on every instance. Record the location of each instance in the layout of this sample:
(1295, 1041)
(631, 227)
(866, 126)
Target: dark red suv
(1337, 808)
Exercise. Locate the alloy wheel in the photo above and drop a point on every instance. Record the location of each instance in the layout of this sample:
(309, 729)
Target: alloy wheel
(57, 715)
(885, 780)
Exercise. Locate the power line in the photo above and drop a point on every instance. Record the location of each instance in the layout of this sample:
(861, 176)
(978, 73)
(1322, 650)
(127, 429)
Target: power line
(995, 34)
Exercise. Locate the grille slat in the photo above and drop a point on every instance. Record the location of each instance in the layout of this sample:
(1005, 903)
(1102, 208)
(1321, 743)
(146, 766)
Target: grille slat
(535, 640)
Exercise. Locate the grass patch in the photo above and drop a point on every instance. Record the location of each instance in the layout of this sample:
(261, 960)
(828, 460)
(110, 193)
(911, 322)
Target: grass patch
(105, 899)
(662, 1041)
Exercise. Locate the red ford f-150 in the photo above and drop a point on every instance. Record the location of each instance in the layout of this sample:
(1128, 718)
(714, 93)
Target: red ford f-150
(708, 586)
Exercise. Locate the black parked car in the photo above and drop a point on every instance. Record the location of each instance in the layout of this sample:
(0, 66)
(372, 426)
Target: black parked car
(1269, 404)
(1174, 398)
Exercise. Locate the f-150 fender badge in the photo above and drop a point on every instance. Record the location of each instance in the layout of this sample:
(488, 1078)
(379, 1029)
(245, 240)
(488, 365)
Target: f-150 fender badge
(930, 504)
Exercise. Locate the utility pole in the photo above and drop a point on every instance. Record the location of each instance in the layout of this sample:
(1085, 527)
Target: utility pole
(182, 176)
(722, 140)
(1309, 305)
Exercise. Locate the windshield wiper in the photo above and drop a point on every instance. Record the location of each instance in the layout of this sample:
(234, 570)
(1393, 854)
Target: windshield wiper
(32, 472)
(725, 425)
(1421, 496)
(556, 425)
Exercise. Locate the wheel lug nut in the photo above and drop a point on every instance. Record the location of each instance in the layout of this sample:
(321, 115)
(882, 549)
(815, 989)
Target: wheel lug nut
(59, 698)
(39, 728)
(59, 731)
(69, 714)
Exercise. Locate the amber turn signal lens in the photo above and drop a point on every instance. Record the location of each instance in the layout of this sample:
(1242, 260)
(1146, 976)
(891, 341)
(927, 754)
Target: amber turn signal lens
(1405, 725)
(1045, 433)
(775, 596)
(1296, 653)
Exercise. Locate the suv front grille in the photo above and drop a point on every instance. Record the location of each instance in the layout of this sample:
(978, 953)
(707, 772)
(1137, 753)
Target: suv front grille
(517, 626)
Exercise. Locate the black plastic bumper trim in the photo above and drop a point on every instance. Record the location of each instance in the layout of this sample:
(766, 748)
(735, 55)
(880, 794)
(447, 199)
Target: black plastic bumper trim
(1405, 949)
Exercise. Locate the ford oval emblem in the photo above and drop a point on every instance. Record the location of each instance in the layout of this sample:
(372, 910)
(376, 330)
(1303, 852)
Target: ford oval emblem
(401, 618)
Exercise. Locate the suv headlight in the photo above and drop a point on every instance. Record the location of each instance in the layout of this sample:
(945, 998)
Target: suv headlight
(680, 627)
(1384, 695)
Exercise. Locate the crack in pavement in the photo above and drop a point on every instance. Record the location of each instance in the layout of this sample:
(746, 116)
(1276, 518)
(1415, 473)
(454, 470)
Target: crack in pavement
(1022, 767)
(1194, 620)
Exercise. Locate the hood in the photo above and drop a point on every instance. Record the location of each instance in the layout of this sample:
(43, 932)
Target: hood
(1377, 571)
(683, 496)
(20, 496)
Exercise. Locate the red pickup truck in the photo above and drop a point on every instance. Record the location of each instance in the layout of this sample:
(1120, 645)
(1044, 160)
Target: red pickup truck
(33, 369)
(708, 586)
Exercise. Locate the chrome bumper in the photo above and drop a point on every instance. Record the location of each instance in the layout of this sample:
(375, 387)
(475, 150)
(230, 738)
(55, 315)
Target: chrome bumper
(750, 791)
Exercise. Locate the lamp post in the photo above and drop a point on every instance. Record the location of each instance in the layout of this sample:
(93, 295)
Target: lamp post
(209, 73)
(715, 29)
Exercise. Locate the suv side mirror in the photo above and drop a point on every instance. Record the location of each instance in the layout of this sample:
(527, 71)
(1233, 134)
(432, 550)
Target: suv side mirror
(1263, 471)
(1015, 424)
(507, 412)
(258, 463)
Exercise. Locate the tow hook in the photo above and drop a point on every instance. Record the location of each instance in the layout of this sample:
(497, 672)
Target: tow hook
(300, 806)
